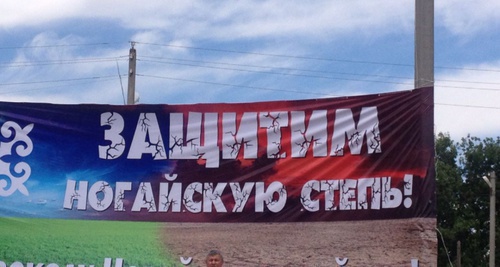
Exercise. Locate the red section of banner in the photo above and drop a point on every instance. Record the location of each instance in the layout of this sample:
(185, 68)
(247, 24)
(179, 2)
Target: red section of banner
(355, 158)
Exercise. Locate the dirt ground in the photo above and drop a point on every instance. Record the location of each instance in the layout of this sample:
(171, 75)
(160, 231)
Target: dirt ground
(364, 243)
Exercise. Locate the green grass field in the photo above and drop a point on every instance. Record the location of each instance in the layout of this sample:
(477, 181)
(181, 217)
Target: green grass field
(81, 242)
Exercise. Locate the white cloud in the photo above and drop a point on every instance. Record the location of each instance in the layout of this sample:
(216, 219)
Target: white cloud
(222, 20)
(470, 104)
(468, 17)
(25, 13)
(249, 19)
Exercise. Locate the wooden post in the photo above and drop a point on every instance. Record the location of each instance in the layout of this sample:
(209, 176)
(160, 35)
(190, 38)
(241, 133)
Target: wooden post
(131, 75)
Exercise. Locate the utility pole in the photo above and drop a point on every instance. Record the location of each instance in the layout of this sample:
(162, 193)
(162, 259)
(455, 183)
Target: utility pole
(424, 43)
(492, 184)
(131, 75)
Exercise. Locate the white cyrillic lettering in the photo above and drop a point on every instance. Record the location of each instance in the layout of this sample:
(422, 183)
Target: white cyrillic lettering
(144, 198)
(113, 134)
(72, 194)
(108, 262)
(344, 125)
(240, 196)
(100, 196)
(244, 137)
(173, 197)
(363, 185)
(274, 197)
(210, 150)
(120, 189)
(391, 197)
(213, 196)
(329, 187)
(189, 200)
(273, 122)
(314, 135)
(191, 147)
(305, 199)
(348, 194)
(180, 147)
(147, 138)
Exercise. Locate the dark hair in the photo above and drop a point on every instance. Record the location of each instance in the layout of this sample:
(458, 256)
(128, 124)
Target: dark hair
(215, 252)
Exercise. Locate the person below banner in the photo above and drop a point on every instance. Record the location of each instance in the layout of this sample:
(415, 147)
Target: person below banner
(214, 259)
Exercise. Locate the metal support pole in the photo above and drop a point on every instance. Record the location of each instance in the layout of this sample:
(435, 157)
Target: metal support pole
(492, 218)
(131, 75)
(491, 181)
(424, 43)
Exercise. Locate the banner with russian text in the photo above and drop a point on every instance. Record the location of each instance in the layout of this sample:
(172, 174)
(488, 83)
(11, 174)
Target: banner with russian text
(346, 181)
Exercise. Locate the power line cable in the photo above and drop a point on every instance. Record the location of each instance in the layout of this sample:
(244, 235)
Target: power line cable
(58, 81)
(282, 90)
(285, 74)
(278, 55)
(471, 82)
(93, 60)
(466, 106)
(232, 85)
(251, 53)
(265, 67)
(311, 58)
(468, 88)
(59, 62)
(51, 46)
(51, 87)
(322, 77)
(462, 68)
(246, 52)
(304, 70)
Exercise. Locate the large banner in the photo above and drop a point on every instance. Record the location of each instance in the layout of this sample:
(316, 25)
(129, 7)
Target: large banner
(268, 183)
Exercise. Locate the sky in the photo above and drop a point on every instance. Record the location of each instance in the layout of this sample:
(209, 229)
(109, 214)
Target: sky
(192, 51)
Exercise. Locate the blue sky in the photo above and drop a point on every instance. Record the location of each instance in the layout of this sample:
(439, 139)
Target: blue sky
(245, 51)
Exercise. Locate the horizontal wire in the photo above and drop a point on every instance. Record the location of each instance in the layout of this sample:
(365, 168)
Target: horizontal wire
(466, 106)
(110, 77)
(278, 55)
(242, 52)
(268, 67)
(251, 53)
(282, 90)
(59, 62)
(285, 74)
(242, 86)
(49, 46)
(471, 69)
(93, 60)
(232, 85)
(303, 70)
(58, 81)
(322, 77)
(312, 58)
(468, 88)
(51, 87)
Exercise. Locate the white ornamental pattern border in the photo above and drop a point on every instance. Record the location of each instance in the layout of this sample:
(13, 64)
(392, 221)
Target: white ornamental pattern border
(12, 179)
